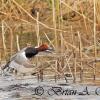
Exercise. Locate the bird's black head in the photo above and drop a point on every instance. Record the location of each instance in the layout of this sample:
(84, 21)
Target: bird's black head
(31, 51)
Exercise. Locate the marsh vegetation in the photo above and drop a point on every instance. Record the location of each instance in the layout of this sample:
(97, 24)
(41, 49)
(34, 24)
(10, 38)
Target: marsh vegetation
(71, 27)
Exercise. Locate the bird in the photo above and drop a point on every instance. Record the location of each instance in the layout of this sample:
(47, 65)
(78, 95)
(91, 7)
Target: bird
(22, 58)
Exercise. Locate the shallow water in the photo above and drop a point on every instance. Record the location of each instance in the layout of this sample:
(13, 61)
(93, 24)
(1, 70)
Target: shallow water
(30, 89)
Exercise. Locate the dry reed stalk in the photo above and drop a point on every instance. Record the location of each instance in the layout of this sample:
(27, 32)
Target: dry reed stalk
(74, 47)
(89, 24)
(54, 23)
(11, 38)
(60, 70)
(37, 30)
(69, 67)
(0, 57)
(40, 73)
(76, 11)
(51, 66)
(11, 42)
(2, 2)
(46, 26)
(61, 27)
(75, 67)
(23, 20)
(85, 23)
(0, 46)
(17, 42)
(55, 31)
(62, 46)
(58, 73)
(50, 42)
(81, 56)
(74, 54)
(91, 66)
(62, 43)
(98, 12)
(94, 35)
(55, 76)
(3, 39)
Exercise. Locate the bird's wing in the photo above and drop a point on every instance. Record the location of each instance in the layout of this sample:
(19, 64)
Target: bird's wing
(18, 53)
(15, 57)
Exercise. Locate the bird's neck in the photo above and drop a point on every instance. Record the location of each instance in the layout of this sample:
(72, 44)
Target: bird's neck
(31, 52)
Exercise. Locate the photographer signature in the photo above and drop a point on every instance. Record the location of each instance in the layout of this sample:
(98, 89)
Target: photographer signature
(61, 91)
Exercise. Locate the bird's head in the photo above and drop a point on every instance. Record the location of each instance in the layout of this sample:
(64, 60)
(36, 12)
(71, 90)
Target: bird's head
(45, 47)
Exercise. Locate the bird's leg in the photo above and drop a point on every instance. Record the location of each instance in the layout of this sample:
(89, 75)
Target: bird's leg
(11, 70)
(41, 75)
(66, 79)
(3, 71)
(33, 73)
(16, 72)
(38, 77)
(8, 68)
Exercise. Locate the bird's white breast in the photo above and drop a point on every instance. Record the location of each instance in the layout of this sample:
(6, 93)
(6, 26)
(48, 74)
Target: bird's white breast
(21, 58)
